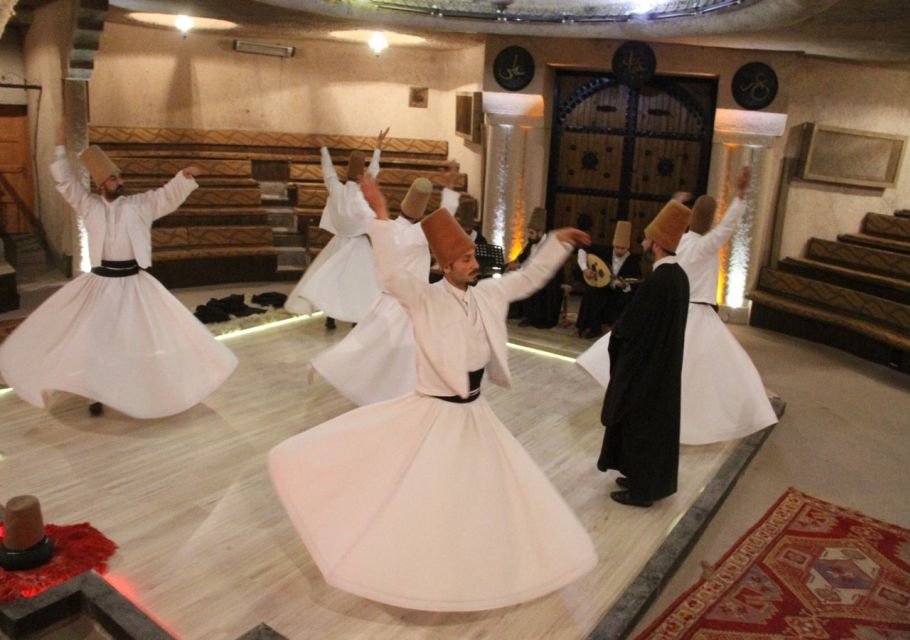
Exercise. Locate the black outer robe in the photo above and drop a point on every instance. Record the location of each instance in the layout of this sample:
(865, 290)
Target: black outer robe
(642, 405)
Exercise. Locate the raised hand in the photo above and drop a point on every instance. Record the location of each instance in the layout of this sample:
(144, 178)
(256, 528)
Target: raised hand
(374, 196)
(450, 174)
(742, 182)
(381, 138)
(573, 236)
(191, 170)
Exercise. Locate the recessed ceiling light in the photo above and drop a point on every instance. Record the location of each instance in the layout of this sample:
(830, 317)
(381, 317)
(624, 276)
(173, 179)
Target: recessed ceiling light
(364, 35)
(169, 19)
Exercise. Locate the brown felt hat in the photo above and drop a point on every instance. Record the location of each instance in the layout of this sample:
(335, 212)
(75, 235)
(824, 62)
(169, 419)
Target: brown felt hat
(538, 220)
(99, 165)
(669, 225)
(622, 237)
(467, 211)
(25, 544)
(415, 201)
(446, 238)
(703, 214)
(356, 163)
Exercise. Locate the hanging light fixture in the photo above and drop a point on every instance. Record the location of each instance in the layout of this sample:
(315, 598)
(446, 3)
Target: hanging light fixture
(378, 42)
(184, 24)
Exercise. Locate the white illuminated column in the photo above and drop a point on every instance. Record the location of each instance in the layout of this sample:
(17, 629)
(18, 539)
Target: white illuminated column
(515, 164)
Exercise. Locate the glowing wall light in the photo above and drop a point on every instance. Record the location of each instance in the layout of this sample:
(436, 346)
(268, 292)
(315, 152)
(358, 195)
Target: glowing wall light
(378, 42)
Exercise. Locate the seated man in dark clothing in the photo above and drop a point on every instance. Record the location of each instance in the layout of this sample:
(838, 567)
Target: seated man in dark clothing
(465, 214)
(600, 305)
(542, 309)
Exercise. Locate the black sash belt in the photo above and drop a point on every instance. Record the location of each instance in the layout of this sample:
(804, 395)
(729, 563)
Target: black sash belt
(116, 268)
(474, 378)
(706, 304)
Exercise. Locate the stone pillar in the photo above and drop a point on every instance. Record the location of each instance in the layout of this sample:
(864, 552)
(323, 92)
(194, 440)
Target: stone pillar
(75, 108)
(743, 138)
(515, 174)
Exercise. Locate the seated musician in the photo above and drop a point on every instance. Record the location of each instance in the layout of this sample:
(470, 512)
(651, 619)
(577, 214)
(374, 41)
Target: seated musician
(542, 309)
(602, 305)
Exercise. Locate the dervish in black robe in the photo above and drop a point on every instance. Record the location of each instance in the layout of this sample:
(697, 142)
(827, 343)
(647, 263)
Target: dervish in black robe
(642, 405)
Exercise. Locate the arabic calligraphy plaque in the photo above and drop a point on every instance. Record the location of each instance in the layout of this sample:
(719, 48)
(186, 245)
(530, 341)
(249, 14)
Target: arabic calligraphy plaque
(634, 64)
(754, 85)
(513, 68)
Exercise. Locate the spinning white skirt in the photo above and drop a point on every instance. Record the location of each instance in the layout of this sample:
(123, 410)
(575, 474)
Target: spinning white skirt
(426, 504)
(376, 361)
(341, 281)
(125, 342)
(723, 397)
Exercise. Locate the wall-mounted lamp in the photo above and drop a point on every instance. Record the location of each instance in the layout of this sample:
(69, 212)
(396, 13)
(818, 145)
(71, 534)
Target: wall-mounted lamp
(378, 42)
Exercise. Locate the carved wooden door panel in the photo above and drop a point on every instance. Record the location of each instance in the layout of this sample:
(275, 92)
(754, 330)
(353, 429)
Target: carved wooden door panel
(619, 153)
(15, 166)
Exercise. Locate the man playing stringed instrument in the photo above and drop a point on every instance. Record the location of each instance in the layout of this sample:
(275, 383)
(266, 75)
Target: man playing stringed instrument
(610, 285)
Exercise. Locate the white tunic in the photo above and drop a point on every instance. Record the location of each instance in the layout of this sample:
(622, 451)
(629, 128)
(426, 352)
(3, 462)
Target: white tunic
(342, 279)
(722, 394)
(427, 504)
(377, 360)
(125, 342)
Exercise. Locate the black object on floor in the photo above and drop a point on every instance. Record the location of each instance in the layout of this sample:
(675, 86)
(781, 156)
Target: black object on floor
(221, 309)
(270, 299)
(329, 323)
(96, 408)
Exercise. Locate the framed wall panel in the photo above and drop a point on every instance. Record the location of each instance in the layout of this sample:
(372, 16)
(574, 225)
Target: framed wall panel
(851, 156)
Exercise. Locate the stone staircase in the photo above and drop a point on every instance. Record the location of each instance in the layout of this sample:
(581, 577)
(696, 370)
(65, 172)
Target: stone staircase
(852, 293)
(32, 276)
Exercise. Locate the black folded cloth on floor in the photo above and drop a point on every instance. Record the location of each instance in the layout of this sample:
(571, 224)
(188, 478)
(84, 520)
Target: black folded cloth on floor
(221, 309)
(270, 299)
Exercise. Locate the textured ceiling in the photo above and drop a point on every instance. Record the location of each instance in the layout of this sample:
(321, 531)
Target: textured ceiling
(860, 30)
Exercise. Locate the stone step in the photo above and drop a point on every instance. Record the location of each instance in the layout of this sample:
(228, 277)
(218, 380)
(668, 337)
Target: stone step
(877, 224)
(293, 256)
(876, 242)
(284, 237)
(288, 273)
(868, 259)
(882, 286)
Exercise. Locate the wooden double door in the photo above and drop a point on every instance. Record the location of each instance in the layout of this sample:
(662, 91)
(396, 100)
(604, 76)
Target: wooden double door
(619, 153)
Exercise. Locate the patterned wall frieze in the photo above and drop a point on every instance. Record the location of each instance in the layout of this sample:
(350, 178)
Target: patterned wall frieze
(878, 224)
(170, 166)
(199, 236)
(845, 300)
(860, 257)
(242, 138)
(313, 173)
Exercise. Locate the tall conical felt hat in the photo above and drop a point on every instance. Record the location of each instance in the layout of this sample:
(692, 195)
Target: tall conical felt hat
(25, 544)
(467, 211)
(703, 214)
(418, 196)
(446, 238)
(622, 237)
(99, 165)
(356, 163)
(669, 225)
(538, 220)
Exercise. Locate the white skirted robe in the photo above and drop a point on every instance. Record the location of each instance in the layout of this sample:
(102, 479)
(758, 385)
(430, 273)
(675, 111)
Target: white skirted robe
(377, 360)
(123, 341)
(342, 279)
(723, 397)
(429, 504)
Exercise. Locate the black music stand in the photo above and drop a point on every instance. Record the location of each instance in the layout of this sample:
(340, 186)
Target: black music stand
(490, 258)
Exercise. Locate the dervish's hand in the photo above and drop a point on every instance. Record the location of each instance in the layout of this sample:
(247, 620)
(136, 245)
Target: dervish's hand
(381, 138)
(450, 174)
(374, 196)
(191, 171)
(573, 236)
(682, 196)
(742, 182)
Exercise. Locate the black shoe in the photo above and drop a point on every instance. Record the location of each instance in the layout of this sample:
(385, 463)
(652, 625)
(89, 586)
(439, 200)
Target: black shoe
(96, 408)
(330, 324)
(622, 482)
(624, 497)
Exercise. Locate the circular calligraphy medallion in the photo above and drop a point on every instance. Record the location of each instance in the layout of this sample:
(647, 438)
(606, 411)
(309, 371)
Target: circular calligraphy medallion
(513, 68)
(634, 64)
(754, 85)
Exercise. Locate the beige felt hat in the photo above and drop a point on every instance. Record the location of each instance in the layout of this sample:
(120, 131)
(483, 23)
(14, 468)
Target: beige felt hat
(622, 237)
(99, 165)
(446, 238)
(669, 225)
(415, 201)
(703, 214)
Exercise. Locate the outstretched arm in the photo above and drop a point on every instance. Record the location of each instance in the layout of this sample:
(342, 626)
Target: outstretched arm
(329, 175)
(711, 242)
(373, 169)
(76, 195)
(168, 198)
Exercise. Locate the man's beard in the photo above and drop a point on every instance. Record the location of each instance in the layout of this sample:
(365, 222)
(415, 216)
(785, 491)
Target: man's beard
(116, 193)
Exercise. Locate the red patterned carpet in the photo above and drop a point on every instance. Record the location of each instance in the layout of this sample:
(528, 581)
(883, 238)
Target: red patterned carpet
(809, 570)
